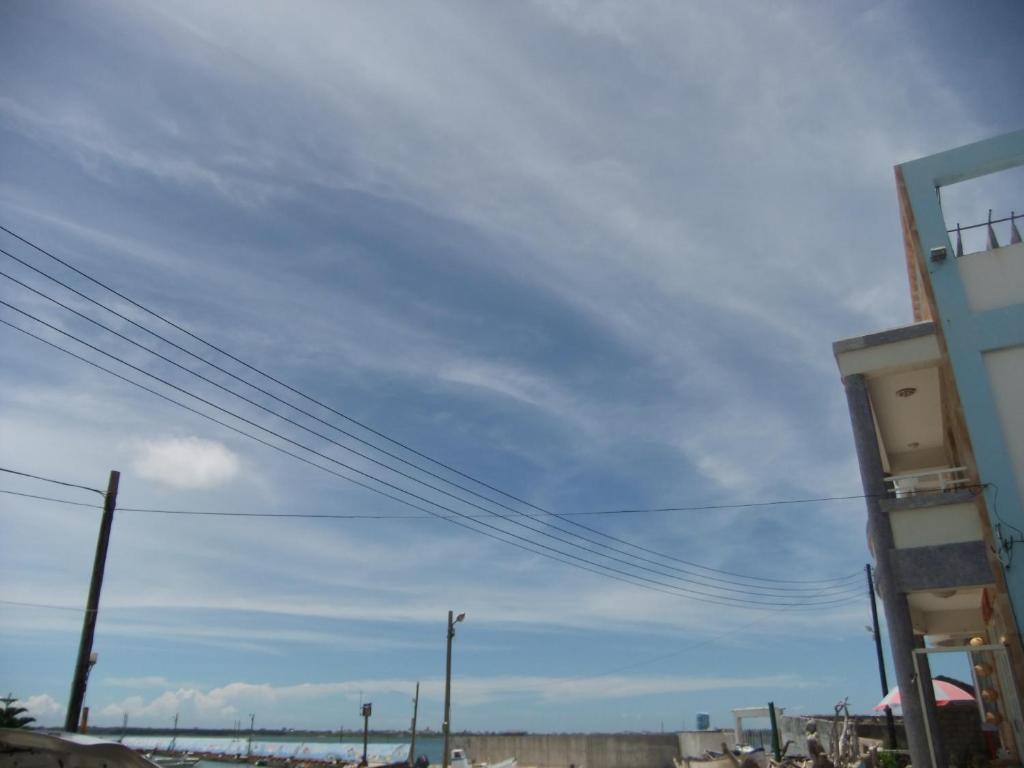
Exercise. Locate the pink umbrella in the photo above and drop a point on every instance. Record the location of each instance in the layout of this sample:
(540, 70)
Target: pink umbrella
(945, 692)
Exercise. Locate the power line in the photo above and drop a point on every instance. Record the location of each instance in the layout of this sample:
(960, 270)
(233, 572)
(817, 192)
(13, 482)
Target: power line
(44, 605)
(336, 473)
(324, 437)
(854, 591)
(738, 505)
(296, 515)
(284, 515)
(364, 426)
(748, 589)
(51, 498)
(50, 480)
(712, 507)
(822, 585)
(204, 513)
(381, 464)
(533, 546)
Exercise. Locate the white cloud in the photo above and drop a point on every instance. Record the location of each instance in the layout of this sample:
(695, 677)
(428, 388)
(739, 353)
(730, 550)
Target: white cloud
(196, 703)
(187, 462)
(42, 705)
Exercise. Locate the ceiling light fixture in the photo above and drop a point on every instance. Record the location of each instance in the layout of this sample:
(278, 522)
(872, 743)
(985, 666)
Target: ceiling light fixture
(906, 391)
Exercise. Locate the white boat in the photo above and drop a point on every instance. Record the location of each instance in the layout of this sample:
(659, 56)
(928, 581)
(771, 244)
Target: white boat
(704, 762)
(738, 758)
(173, 761)
(459, 759)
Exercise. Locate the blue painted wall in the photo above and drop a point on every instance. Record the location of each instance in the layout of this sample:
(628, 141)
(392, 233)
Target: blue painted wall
(970, 334)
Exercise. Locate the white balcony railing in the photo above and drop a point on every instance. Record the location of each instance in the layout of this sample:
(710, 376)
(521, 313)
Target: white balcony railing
(928, 480)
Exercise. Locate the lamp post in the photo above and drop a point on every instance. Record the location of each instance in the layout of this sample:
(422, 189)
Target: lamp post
(448, 684)
(366, 710)
(415, 712)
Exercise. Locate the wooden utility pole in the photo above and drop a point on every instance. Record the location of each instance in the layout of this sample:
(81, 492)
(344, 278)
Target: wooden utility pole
(92, 606)
(890, 723)
(776, 748)
(415, 711)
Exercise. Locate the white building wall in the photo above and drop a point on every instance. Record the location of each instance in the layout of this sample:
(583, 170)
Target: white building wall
(932, 526)
(993, 279)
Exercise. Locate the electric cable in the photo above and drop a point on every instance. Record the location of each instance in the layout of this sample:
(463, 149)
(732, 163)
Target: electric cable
(272, 412)
(51, 480)
(605, 570)
(50, 607)
(274, 515)
(347, 417)
(748, 588)
(824, 585)
(50, 498)
(336, 473)
(852, 589)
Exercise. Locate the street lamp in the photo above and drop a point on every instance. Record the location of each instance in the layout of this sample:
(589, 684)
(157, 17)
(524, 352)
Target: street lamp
(448, 684)
(365, 710)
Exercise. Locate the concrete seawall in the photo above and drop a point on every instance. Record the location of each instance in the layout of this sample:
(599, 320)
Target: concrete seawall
(580, 750)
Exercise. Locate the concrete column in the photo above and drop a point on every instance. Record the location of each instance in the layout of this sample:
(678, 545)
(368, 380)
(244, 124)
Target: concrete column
(897, 611)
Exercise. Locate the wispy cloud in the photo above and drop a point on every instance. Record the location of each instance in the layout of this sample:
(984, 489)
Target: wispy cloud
(590, 253)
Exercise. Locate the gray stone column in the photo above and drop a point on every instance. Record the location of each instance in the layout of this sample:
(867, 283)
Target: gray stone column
(897, 611)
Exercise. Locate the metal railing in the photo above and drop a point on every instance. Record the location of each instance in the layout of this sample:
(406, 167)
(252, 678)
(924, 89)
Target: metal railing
(942, 479)
(991, 240)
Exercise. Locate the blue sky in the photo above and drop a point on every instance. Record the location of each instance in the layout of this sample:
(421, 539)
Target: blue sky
(593, 253)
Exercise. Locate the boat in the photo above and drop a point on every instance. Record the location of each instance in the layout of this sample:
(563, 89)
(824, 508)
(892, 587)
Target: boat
(460, 759)
(706, 761)
(741, 757)
(173, 761)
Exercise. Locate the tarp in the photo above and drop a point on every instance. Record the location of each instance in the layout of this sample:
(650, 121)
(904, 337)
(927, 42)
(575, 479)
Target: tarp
(945, 692)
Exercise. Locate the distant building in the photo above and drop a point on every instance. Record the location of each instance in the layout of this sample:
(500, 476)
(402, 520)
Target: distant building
(937, 410)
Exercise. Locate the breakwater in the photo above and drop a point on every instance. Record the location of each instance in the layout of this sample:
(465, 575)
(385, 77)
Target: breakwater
(277, 751)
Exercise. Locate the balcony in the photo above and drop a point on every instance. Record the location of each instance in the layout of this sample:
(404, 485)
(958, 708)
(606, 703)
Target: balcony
(907, 380)
(939, 557)
(936, 480)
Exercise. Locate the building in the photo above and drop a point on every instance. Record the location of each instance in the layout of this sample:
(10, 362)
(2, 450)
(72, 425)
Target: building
(937, 410)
